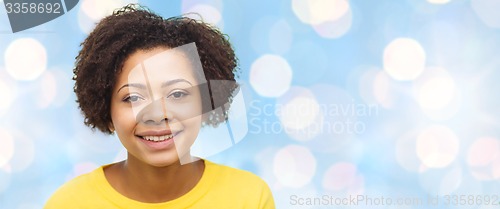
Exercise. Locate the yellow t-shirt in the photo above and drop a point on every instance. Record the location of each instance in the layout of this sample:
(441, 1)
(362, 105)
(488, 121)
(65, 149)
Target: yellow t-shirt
(219, 187)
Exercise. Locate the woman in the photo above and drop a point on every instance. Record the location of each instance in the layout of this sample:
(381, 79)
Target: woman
(147, 79)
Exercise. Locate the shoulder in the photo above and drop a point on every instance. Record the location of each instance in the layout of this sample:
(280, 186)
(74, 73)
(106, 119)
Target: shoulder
(72, 192)
(233, 175)
(240, 183)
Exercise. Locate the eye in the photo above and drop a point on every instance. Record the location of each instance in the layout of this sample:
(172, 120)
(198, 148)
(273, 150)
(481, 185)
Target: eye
(177, 94)
(132, 98)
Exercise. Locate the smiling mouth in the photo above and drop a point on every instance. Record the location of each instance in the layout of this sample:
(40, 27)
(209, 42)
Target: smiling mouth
(159, 138)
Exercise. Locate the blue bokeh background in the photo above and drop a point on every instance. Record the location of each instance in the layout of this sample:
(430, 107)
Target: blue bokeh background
(387, 99)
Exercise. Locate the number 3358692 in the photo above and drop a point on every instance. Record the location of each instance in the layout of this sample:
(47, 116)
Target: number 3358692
(33, 8)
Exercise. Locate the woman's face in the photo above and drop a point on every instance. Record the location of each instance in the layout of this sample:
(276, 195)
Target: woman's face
(156, 106)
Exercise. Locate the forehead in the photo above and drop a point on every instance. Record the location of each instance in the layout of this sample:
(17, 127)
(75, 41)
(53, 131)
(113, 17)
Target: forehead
(162, 64)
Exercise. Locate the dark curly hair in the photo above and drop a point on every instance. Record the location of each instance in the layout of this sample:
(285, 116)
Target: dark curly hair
(134, 28)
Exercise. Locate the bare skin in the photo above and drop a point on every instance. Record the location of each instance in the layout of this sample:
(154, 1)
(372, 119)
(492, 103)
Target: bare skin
(146, 183)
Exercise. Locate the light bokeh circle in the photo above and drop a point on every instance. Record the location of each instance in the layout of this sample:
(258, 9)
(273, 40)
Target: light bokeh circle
(436, 93)
(496, 168)
(299, 114)
(92, 11)
(483, 158)
(187, 4)
(335, 28)
(270, 75)
(404, 59)
(294, 166)
(483, 151)
(208, 13)
(329, 18)
(25, 59)
(343, 176)
(319, 11)
(436, 90)
(85, 23)
(437, 146)
(97, 9)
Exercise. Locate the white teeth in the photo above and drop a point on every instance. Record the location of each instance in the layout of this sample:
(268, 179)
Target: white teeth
(158, 138)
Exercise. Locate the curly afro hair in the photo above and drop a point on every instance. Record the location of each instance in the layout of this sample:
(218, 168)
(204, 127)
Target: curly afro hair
(134, 28)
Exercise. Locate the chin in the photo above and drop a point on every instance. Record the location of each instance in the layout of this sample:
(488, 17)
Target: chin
(162, 161)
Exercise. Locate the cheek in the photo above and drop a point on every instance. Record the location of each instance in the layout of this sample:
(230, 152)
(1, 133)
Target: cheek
(123, 119)
(124, 128)
(194, 124)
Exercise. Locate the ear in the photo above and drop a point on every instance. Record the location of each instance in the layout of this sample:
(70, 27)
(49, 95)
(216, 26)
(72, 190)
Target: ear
(111, 127)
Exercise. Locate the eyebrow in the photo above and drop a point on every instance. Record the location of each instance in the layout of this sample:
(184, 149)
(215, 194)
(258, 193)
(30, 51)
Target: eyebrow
(163, 85)
(170, 82)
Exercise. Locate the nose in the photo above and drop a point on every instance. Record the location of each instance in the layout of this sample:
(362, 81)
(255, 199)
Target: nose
(154, 113)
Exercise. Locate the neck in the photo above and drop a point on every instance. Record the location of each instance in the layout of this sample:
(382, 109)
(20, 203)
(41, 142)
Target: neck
(146, 183)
